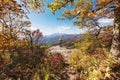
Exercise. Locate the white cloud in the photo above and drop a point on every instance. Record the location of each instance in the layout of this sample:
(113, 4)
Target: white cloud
(62, 28)
(46, 30)
(33, 28)
(105, 20)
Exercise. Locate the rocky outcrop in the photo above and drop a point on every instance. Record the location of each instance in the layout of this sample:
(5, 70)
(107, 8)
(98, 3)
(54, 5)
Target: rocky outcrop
(68, 73)
(60, 50)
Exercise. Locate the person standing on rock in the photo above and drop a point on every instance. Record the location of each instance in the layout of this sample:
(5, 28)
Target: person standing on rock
(60, 42)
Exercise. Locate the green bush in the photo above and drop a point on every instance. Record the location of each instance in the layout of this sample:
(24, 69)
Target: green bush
(45, 46)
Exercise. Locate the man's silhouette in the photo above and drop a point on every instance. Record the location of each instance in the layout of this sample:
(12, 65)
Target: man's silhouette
(60, 42)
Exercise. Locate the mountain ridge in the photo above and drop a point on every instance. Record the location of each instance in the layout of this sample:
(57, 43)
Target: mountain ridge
(50, 39)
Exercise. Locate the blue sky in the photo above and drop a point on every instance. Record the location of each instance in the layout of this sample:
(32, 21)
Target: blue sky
(48, 24)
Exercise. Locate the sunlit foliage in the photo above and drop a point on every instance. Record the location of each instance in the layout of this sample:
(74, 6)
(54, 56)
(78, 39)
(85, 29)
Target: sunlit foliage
(92, 61)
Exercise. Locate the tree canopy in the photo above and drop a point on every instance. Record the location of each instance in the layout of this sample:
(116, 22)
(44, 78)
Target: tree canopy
(20, 6)
(83, 9)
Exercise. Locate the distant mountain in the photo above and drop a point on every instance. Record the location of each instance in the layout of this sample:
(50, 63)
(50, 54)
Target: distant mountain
(51, 39)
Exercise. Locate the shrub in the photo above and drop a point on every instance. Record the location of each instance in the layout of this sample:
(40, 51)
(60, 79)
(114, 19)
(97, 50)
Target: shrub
(45, 46)
(93, 62)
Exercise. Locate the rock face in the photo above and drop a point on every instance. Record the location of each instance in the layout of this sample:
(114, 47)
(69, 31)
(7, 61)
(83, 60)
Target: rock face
(68, 70)
(60, 50)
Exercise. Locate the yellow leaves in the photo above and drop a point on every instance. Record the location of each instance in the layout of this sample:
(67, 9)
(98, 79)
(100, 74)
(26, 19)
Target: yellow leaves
(88, 4)
(90, 15)
(6, 1)
(79, 3)
(6, 43)
(78, 6)
(12, 43)
(56, 1)
(17, 6)
(24, 1)
(66, 12)
(47, 76)
(73, 58)
(9, 43)
(5, 25)
(73, 12)
(83, 13)
(102, 2)
(2, 15)
(54, 7)
(1, 5)
(105, 1)
(36, 76)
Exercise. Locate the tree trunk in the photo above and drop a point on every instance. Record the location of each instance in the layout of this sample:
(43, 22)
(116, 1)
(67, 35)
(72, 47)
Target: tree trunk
(115, 47)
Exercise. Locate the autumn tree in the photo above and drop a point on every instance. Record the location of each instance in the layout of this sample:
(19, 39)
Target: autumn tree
(20, 5)
(13, 16)
(32, 38)
(11, 28)
(106, 36)
(87, 12)
(14, 21)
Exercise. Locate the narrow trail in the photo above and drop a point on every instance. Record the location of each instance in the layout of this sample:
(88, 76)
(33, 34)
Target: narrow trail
(68, 71)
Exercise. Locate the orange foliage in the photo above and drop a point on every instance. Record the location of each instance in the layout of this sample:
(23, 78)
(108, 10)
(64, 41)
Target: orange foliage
(103, 2)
